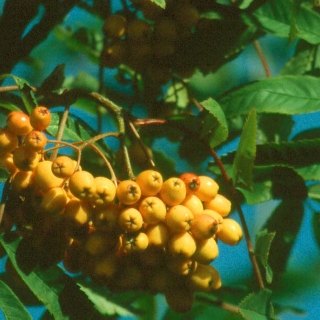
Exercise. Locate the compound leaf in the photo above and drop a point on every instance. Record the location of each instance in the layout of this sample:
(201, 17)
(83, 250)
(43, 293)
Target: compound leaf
(282, 94)
(262, 248)
(282, 19)
(214, 123)
(244, 158)
(257, 306)
(27, 94)
(105, 302)
(11, 306)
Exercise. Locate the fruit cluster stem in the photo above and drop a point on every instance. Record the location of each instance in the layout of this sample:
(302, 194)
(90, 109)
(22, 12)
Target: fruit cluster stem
(251, 252)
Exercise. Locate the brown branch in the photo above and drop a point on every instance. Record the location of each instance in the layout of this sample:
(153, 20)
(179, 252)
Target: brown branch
(262, 58)
(251, 252)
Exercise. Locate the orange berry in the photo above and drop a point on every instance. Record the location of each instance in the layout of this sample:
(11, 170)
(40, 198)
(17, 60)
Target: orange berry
(182, 245)
(63, 167)
(22, 180)
(158, 234)
(44, 178)
(82, 185)
(8, 140)
(6, 161)
(193, 203)
(215, 215)
(134, 242)
(220, 204)
(54, 201)
(204, 226)
(191, 180)
(105, 191)
(207, 250)
(35, 140)
(40, 118)
(173, 191)
(230, 232)
(150, 182)
(179, 218)
(205, 278)
(153, 210)
(130, 220)
(19, 123)
(207, 190)
(77, 212)
(128, 192)
(25, 159)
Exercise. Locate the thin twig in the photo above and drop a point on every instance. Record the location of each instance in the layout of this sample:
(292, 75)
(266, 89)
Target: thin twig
(262, 58)
(218, 303)
(108, 164)
(141, 144)
(62, 125)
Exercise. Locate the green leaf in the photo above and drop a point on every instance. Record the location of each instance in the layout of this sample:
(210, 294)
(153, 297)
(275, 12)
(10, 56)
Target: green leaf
(300, 63)
(27, 94)
(314, 192)
(105, 302)
(262, 248)
(11, 306)
(177, 93)
(58, 292)
(285, 221)
(283, 94)
(160, 3)
(257, 306)
(214, 123)
(73, 130)
(276, 17)
(244, 159)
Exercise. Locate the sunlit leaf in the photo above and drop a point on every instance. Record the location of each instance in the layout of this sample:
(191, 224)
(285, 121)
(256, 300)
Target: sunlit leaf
(257, 306)
(283, 94)
(262, 248)
(214, 123)
(244, 158)
(11, 306)
(275, 17)
(314, 192)
(178, 94)
(160, 3)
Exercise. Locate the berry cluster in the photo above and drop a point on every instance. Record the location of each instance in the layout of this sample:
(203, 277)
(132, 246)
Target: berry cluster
(144, 234)
(157, 44)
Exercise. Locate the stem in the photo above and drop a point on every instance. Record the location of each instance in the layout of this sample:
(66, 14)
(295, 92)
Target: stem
(108, 164)
(252, 256)
(62, 125)
(262, 58)
(218, 303)
(141, 144)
